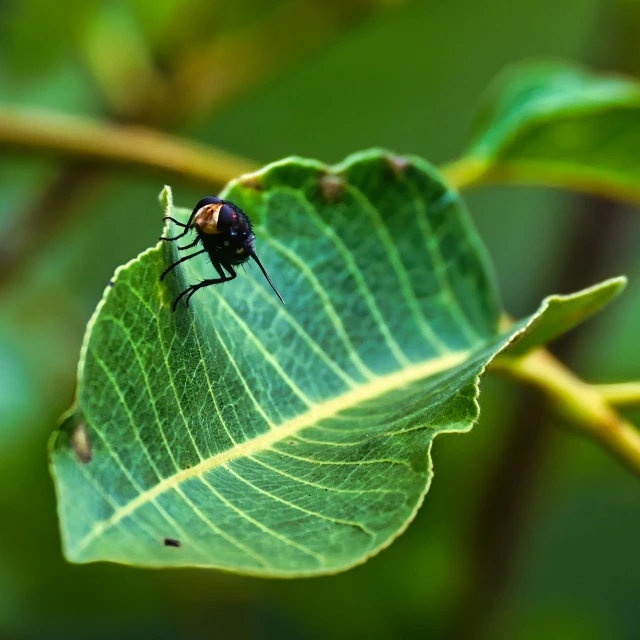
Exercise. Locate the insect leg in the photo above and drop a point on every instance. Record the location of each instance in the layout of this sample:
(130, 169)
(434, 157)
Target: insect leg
(218, 268)
(180, 224)
(181, 235)
(175, 264)
(187, 226)
(206, 283)
(189, 246)
(230, 269)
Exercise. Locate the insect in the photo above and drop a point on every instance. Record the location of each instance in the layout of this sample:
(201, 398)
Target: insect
(226, 234)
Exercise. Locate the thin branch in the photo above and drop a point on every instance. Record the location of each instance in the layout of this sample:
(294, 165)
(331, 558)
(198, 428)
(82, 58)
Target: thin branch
(585, 409)
(465, 173)
(118, 145)
(468, 172)
(622, 394)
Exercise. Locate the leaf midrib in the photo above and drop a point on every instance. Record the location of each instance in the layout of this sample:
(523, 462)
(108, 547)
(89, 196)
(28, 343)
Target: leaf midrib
(375, 388)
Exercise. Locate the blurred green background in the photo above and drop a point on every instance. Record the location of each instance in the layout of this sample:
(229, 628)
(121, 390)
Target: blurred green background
(527, 532)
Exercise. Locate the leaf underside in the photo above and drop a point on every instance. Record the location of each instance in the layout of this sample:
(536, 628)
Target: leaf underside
(277, 440)
(553, 123)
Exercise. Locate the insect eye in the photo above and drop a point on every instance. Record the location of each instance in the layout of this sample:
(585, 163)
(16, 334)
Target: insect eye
(227, 218)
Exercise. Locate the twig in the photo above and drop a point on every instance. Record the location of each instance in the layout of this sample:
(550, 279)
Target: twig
(110, 144)
(468, 172)
(465, 173)
(622, 394)
(585, 408)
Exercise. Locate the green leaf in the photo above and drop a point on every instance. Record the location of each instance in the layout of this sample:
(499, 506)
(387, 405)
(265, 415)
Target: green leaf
(563, 312)
(282, 440)
(554, 124)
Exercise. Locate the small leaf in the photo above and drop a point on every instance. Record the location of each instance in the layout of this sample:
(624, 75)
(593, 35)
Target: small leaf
(562, 313)
(558, 125)
(277, 440)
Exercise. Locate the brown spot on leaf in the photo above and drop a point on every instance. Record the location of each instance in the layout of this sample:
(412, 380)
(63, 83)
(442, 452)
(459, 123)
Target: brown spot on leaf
(252, 182)
(332, 187)
(81, 444)
(398, 164)
(172, 542)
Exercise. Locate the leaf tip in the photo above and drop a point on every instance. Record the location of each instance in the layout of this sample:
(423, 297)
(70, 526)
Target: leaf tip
(619, 283)
(166, 198)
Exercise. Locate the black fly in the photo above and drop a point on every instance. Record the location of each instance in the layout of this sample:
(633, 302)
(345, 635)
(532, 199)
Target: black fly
(226, 234)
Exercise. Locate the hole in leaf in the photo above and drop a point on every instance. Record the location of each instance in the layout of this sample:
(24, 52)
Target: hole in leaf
(171, 542)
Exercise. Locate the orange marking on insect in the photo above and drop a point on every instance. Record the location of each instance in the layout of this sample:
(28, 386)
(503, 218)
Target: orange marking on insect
(207, 218)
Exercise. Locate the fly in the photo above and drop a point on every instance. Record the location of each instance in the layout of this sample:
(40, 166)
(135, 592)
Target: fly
(225, 232)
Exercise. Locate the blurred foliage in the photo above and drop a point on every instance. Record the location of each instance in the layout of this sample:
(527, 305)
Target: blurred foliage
(567, 127)
(399, 75)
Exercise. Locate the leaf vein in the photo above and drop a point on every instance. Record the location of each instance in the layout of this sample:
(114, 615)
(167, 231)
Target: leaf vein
(315, 514)
(263, 527)
(400, 271)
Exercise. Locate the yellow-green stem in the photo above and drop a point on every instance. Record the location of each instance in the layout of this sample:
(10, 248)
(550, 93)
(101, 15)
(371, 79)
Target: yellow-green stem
(469, 171)
(104, 143)
(585, 409)
(621, 394)
(465, 172)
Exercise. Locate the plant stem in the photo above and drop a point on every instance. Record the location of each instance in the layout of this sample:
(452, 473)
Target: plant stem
(621, 394)
(582, 404)
(104, 143)
(468, 172)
